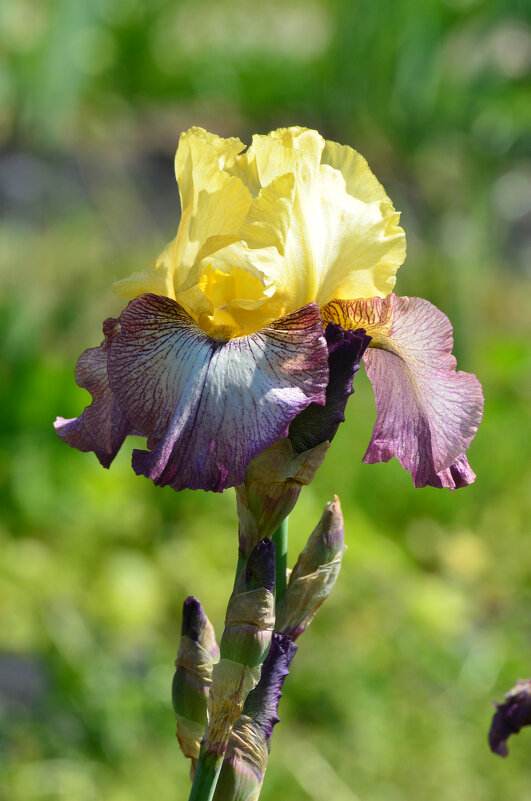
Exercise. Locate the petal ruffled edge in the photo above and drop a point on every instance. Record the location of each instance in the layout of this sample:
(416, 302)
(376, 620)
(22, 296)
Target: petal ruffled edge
(427, 412)
(209, 407)
(102, 427)
(214, 204)
(360, 181)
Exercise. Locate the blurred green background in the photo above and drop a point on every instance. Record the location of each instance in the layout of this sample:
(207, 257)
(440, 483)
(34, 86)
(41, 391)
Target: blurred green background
(390, 696)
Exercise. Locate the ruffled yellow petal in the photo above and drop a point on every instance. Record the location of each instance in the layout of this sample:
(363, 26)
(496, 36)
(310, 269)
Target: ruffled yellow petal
(240, 302)
(267, 221)
(214, 205)
(286, 150)
(360, 182)
(330, 243)
(291, 220)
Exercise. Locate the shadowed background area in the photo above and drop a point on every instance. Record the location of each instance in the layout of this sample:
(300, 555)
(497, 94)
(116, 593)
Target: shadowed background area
(390, 695)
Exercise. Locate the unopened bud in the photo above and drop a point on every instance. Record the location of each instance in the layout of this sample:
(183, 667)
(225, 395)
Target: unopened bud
(247, 633)
(314, 574)
(245, 762)
(197, 652)
(249, 625)
(325, 543)
(510, 716)
(259, 568)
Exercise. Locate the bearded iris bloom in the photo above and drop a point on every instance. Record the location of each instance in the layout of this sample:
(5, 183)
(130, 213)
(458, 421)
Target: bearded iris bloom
(223, 342)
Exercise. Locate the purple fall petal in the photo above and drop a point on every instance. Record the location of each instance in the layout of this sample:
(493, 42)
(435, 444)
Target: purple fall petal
(102, 427)
(209, 407)
(458, 475)
(317, 424)
(428, 413)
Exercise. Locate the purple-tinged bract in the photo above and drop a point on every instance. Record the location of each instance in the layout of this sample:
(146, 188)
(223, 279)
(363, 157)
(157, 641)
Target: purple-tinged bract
(262, 702)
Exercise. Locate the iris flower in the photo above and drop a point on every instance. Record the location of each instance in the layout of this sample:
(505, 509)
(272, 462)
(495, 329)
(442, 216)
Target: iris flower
(229, 334)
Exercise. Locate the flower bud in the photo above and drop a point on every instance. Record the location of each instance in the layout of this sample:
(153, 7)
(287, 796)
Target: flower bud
(273, 481)
(249, 625)
(245, 762)
(193, 676)
(314, 574)
(245, 639)
(510, 717)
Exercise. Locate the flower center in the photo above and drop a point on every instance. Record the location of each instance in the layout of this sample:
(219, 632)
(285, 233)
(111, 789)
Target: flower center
(232, 304)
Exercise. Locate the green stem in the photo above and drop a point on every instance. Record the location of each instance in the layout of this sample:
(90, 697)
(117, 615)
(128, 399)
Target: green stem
(206, 777)
(242, 561)
(280, 538)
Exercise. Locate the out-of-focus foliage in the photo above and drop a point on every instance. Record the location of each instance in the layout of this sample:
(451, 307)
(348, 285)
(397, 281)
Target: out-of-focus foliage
(390, 695)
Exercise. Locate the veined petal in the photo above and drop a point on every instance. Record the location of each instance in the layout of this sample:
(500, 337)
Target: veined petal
(428, 413)
(458, 475)
(208, 407)
(102, 427)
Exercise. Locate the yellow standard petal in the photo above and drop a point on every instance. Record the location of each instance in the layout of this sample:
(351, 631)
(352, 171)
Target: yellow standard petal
(335, 230)
(214, 205)
(292, 220)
